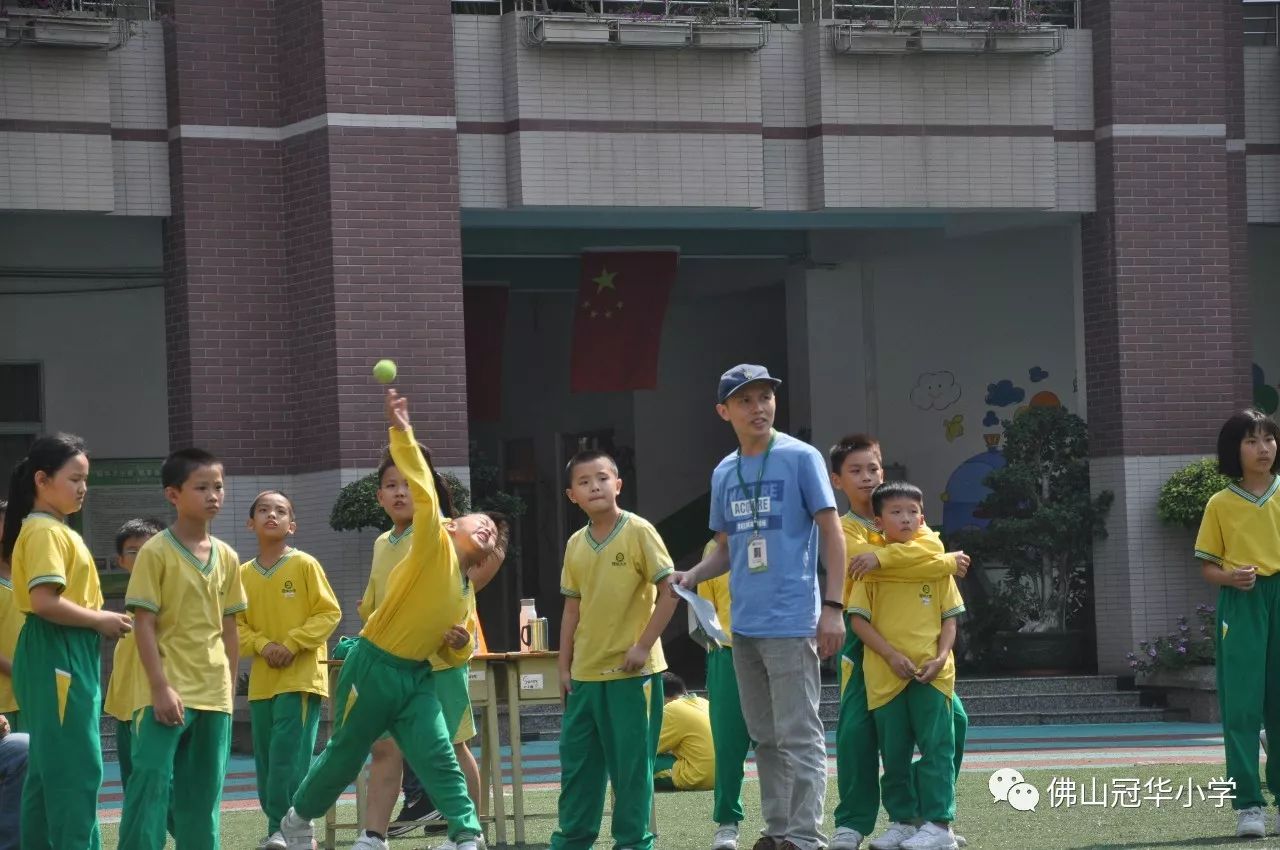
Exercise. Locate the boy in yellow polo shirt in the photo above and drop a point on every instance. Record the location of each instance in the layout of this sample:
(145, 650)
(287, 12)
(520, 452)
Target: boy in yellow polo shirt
(184, 593)
(10, 625)
(686, 757)
(615, 583)
(910, 628)
(386, 682)
(292, 612)
(856, 470)
(728, 728)
(128, 686)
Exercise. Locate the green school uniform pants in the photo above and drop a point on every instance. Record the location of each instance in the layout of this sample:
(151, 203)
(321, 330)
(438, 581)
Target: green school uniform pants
(663, 765)
(729, 736)
(176, 781)
(919, 716)
(1248, 674)
(56, 678)
(284, 739)
(610, 731)
(857, 744)
(124, 751)
(379, 692)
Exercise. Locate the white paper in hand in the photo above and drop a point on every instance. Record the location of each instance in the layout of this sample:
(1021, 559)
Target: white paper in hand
(704, 625)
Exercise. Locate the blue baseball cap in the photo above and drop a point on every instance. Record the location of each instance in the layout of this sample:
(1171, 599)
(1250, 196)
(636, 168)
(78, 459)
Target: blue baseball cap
(741, 375)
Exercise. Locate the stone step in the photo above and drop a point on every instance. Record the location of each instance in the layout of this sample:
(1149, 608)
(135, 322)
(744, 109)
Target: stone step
(1050, 718)
(1037, 702)
(982, 687)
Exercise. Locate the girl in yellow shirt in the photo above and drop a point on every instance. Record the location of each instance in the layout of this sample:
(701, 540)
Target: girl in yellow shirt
(56, 671)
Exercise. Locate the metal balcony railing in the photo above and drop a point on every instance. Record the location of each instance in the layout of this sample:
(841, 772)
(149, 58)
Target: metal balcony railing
(1064, 13)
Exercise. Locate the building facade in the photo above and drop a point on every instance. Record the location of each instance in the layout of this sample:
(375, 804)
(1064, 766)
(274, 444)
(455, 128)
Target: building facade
(214, 218)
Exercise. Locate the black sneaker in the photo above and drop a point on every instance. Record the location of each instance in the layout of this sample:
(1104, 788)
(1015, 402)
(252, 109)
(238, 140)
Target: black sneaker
(415, 811)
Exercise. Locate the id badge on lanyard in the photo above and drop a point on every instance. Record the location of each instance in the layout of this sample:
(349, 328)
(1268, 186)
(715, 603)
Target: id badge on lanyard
(757, 553)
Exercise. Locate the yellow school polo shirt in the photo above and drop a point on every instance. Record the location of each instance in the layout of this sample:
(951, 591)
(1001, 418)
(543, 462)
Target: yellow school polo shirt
(425, 594)
(189, 599)
(716, 590)
(909, 616)
(686, 734)
(49, 552)
(290, 603)
(387, 552)
(923, 558)
(1240, 529)
(128, 689)
(448, 657)
(615, 581)
(10, 624)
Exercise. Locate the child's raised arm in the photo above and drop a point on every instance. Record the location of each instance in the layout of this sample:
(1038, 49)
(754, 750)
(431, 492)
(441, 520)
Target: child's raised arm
(430, 539)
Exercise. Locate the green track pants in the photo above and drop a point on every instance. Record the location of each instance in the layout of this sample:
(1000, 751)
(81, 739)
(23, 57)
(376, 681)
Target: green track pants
(56, 678)
(919, 716)
(610, 731)
(176, 781)
(284, 739)
(729, 736)
(1248, 673)
(857, 744)
(379, 692)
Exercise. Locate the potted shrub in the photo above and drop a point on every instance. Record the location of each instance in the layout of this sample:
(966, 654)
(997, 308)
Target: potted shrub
(1184, 495)
(1180, 667)
(1044, 522)
(940, 35)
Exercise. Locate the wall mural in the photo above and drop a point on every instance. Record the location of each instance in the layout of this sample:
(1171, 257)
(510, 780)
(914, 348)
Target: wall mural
(935, 391)
(965, 489)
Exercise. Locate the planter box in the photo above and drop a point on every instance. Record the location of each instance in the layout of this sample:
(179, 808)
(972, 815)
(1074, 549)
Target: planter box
(1041, 652)
(1192, 689)
(959, 41)
(740, 35)
(568, 30)
(654, 33)
(849, 39)
(73, 32)
(1044, 41)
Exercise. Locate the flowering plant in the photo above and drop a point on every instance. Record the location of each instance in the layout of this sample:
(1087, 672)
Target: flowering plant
(1186, 646)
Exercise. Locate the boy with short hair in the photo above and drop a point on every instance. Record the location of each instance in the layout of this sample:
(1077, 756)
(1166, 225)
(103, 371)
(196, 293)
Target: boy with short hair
(184, 593)
(386, 682)
(614, 581)
(291, 613)
(127, 688)
(857, 469)
(729, 735)
(773, 510)
(910, 628)
(10, 625)
(686, 757)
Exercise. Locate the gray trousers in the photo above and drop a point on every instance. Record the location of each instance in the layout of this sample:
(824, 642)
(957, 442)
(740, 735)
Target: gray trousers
(779, 682)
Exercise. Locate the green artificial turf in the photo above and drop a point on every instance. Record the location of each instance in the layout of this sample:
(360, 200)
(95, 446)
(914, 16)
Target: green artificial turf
(684, 822)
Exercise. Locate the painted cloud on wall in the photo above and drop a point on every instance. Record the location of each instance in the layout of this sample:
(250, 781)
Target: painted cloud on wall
(935, 391)
(1003, 393)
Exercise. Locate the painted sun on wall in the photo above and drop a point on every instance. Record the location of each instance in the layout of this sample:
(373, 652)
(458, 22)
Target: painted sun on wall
(966, 487)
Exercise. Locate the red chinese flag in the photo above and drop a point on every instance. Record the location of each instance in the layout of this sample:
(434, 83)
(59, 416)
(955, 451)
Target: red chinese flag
(484, 328)
(617, 320)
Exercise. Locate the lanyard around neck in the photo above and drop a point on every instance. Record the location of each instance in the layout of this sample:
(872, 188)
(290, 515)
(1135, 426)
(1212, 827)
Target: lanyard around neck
(754, 499)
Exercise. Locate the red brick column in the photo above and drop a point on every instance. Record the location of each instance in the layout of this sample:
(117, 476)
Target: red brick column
(315, 229)
(1167, 345)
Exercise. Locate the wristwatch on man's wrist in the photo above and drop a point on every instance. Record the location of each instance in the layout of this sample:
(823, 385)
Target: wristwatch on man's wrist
(833, 603)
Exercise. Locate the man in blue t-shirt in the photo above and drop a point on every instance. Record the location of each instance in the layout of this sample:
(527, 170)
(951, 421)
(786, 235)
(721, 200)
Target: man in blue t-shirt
(771, 508)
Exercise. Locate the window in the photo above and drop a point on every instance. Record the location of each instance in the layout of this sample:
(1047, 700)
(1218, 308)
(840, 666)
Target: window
(21, 412)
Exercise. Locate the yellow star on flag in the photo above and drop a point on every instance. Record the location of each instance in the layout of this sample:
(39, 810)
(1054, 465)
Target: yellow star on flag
(604, 280)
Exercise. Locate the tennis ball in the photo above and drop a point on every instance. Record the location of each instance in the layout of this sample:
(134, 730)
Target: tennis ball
(384, 371)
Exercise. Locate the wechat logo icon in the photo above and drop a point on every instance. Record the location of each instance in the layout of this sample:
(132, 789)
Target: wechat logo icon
(1009, 786)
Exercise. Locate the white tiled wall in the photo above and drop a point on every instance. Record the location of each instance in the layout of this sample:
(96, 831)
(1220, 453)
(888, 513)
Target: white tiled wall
(1145, 573)
(1075, 176)
(85, 171)
(482, 169)
(1262, 127)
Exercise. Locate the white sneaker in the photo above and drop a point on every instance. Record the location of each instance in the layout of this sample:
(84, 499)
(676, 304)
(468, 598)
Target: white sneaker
(275, 841)
(477, 843)
(961, 841)
(726, 837)
(368, 842)
(845, 839)
(1250, 823)
(931, 837)
(893, 837)
(296, 832)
